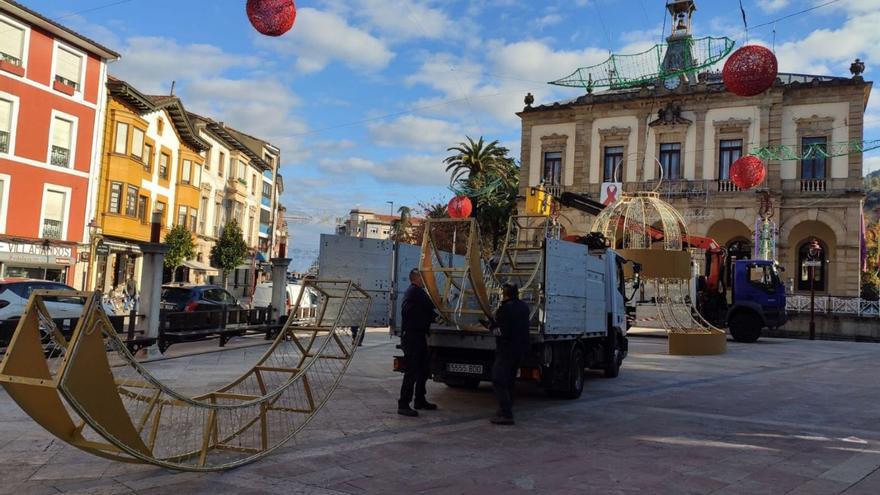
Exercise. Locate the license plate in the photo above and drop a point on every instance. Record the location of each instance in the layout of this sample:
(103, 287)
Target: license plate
(471, 369)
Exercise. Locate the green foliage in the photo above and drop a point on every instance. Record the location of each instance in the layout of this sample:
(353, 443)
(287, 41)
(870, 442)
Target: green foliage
(870, 286)
(872, 196)
(180, 247)
(230, 250)
(401, 228)
(478, 166)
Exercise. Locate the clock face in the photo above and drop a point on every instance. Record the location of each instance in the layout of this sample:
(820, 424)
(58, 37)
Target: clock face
(672, 83)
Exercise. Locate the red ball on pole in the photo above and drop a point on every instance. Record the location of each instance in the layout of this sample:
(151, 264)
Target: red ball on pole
(460, 207)
(750, 71)
(747, 172)
(271, 17)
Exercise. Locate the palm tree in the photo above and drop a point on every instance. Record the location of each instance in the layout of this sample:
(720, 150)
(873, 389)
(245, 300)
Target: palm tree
(473, 159)
(400, 228)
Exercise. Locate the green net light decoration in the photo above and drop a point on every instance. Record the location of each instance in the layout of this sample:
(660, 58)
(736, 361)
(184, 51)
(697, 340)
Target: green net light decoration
(632, 70)
(778, 152)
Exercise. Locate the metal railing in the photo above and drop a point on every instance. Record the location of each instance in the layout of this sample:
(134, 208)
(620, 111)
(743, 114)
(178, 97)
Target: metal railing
(67, 82)
(52, 229)
(60, 157)
(843, 306)
(4, 142)
(9, 58)
(813, 185)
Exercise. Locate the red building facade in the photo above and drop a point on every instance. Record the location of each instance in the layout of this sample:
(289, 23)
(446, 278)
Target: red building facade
(52, 98)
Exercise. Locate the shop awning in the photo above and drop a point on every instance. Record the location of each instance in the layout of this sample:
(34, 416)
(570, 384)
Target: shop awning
(199, 267)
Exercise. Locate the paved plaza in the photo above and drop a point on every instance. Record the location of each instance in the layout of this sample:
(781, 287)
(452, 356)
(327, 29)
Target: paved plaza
(779, 416)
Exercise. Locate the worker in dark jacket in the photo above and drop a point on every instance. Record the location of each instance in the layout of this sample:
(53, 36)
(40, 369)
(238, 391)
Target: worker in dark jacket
(417, 315)
(511, 329)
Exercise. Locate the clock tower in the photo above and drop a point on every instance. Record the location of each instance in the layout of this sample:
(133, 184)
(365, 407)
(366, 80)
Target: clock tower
(679, 51)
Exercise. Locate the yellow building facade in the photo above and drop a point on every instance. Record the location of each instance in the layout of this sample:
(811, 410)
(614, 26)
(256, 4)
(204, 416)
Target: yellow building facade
(151, 163)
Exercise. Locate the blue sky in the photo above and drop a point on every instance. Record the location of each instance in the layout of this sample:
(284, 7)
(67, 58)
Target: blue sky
(364, 96)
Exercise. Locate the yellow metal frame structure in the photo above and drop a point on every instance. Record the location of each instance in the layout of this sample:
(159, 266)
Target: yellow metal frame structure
(459, 290)
(522, 258)
(93, 394)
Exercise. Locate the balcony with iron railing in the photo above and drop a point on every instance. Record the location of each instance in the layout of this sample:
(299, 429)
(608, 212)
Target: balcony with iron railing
(813, 185)
(4, 142)
(60, 157)
(727, 185)
(52, 229)
(67, 82)
(11, 64)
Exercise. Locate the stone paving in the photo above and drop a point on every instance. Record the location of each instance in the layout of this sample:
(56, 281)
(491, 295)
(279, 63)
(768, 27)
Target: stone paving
(775, 417)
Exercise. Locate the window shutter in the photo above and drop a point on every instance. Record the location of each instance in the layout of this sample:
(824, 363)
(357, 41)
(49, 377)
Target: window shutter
(5, 115)
(11, 40)
(61, 133)
(137, 142)
(121, 138)
(53, 206)
(68, 65)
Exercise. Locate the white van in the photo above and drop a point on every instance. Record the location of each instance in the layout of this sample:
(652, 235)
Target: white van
(263, 298)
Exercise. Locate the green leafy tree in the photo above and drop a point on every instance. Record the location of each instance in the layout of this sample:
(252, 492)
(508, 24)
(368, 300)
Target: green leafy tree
(180, 248)
(230, 250)
(471, 159)
(401, 228)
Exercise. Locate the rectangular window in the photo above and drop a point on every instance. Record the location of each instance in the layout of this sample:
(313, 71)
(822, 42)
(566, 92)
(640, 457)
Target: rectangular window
(221, 164)
(11, 43)
(186, 172)
(163, 165)
(5, 123)
(264, 216)
(68, 68)
(121, 144)
(552, 168)
(814, 160)
(203, 215)
(62, 131)
(137, 143)
(670, 160)
(242, 171)
(254, 184)
(148, 157)
(181, 215)
(193, 218)
(250, 230)
(218, 218)
(208, 159)
(115, 197)
(197, 175)
(267, 190)
(142, 208)
(131, 198)
(611, 164)
(160, 209)
(53, 214)
(730, 150)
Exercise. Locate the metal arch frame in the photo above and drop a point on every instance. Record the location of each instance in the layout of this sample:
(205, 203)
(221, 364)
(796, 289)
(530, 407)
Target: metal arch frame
(515, 247)
(87, 384)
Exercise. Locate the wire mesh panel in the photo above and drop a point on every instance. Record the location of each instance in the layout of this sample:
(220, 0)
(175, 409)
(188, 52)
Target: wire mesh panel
(105, 402)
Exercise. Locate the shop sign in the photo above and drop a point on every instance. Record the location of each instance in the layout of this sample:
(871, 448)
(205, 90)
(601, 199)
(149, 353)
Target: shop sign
(35, 253)
(102, 250)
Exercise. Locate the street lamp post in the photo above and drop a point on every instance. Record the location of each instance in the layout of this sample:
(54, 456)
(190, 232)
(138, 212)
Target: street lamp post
(392, 207)
(94, 238)
(814, 259)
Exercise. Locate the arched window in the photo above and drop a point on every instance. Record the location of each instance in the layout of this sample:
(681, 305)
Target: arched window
(803, 281)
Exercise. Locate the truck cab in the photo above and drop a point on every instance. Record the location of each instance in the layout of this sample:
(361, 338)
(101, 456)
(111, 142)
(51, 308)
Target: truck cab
(757, 299)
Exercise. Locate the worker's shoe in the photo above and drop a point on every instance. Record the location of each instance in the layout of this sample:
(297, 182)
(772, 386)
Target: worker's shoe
(427, 406)
(501, 420)
(407, 411)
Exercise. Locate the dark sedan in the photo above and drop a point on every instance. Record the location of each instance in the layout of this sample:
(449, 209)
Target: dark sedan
(188, 297)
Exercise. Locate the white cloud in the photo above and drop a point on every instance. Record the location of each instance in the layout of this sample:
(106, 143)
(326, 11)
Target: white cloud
(832, 50)
(548, 20)
(773, 5)
(406, 19)
(871, 163)
(151, 63)
(409, 170)
(322, 37)
(410, 131)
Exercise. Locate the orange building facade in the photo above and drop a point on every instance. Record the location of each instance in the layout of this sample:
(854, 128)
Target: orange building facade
(52, 97)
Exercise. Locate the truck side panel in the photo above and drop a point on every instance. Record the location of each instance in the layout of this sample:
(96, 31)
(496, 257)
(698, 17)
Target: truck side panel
(574, 290)
(367, 262)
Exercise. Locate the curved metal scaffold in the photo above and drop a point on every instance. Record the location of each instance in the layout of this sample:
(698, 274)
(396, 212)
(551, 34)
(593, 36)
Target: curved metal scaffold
(93, 394)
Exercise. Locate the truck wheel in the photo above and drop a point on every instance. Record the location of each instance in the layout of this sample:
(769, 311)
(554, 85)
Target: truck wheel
(466, 383)
(615, 355)
(745, 326)
(575, 375)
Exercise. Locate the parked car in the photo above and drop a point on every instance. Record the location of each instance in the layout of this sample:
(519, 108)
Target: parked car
(14, 295)
(189, 297)
(263, 298)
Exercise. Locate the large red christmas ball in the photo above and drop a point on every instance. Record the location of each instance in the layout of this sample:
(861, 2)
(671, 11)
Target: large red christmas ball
(747, 172)
(460, 207)
(271, 17)
(750, 71)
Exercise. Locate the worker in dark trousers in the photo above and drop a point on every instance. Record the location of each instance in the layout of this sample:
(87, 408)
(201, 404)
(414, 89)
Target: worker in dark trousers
(511, 329)
(417, 315)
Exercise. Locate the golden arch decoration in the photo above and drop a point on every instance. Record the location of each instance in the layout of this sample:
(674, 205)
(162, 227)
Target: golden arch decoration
(93, 394)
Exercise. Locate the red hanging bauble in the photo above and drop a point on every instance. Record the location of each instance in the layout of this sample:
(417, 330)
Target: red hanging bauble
(748, 172)
(460, 207)
(271, 17)
(750, 71)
